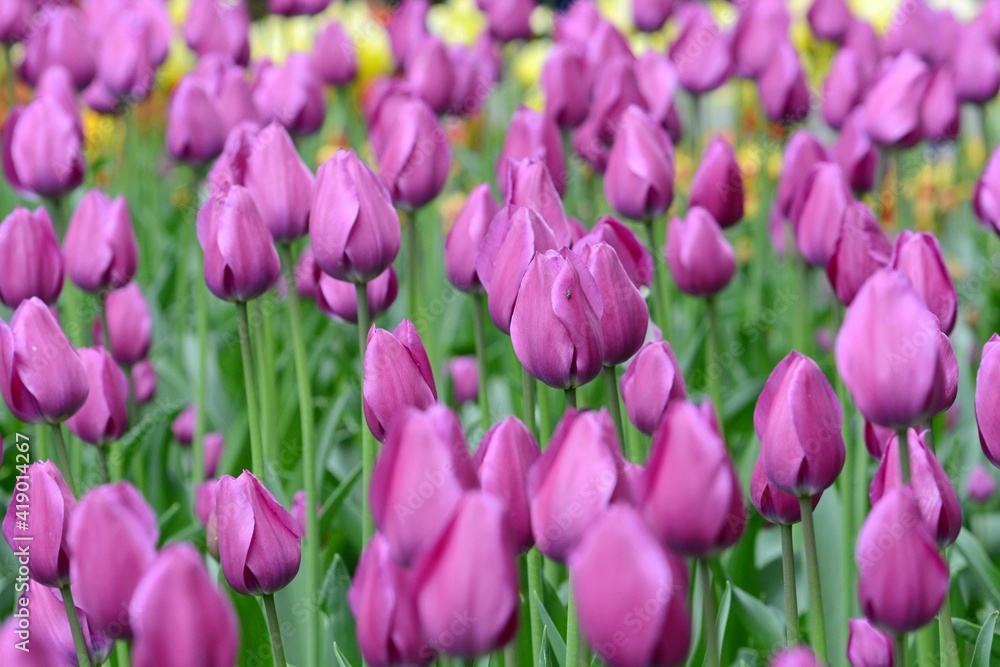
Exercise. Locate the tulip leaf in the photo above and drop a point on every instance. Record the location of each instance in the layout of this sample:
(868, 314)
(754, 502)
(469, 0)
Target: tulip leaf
(966, 630)
(984, 644)
(980, 563)
(763, 622)
(339, 495)
(722, 616)
(333, 599)
(544, 652)
(341, 660)
(555, 639)
(255, 640)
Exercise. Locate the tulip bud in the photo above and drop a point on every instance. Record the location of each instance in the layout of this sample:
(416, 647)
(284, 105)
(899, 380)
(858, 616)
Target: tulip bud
(861, 39)
(337, 298)
(50, 627)
(918, 257)
(577, 24)
(407, 26)
(297, 7)
(981, 485)
(509, 20)
(774, 505)
(618, 553)
(700, 259)
(41, 375)
(476, 70)
(639, 181)
(530, 184)
(830, 19)
(430, 74)
(854, 152)
(233, 96)
(701, 50)
(183, 425)
(532, 135)
(902, 577)
(464, 375)
(214, 26)
(15, 23)
(651, 382)
(802, 152)
(49, 504)
(179, 616)
(29, 253)
(307, 274)
(413, 155)
(862, 249)
(144, 381)
(692, 501)
(572, 484)
(43, 148)
(61, 38)
(101, 250)
(398, 374)
(566, 84)
(196, 132)
(633, 255)
(104, 416)
(927, 33)
(241, 263)
(650, 15)
(892, 104)
(986, 198)
(125, 58)
(818, 212)
(615, 88)
(112, 524)
(280, 183)
(626, 315)
(939, 109)
(465, 237)
(976, 80)
(782, 87)
(556, 337)
(987, 416)
(717, 185)
(796, 657)
(843, 88)
(503, 461)
(868, 646)
(761, 28)
(291, 94)
(335, 57)
(259, 541)
(129, 324)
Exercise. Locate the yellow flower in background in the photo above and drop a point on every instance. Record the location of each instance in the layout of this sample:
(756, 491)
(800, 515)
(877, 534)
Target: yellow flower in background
(180, 61)
(619, 12)
(456, 21)
(542, 20)
(528, 60)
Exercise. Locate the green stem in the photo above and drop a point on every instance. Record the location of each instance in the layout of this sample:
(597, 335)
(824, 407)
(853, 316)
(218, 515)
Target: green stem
(859, 486)
(122, 653)
(479, 326)
(570, 397)
(614, 406)
(413, 265)
(102, 461)
(201, 386)
(659, 287)
(984, 128)
(528, 402)
(899, 649)
(63, 455)
(544, 410)
(510, 654)
(250, 382)
(926, 651)
(949, 644)
(274, 628)
(788, 573)
(367, 446)
(802, 322)
(709, 629)
(102, 311)
(816, 615)
(713, 380)
(904, 456)
(534, 558)
(696, 128)
(310, 543)
(74, 625)
(265, 379)
(573, 653)
(9, 63)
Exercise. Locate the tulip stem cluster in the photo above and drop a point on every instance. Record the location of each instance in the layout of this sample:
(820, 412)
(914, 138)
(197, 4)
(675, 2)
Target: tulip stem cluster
(367, 446)
(788, 574)
(709, 629)
(534, 567)
(250, 381)
(816, 616)
(74, 624)
(274, 627)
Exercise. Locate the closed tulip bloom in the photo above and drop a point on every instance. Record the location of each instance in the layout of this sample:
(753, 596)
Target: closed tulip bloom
(50, 505)
(615, 88)
(926, 31)
(574, 481)
(503, 461)
(700, 259)
(240, 260)
(830, 19)
(802, 151)
(892, 104)
(233, 96)
(936, 497)
(639, 180)
(861, 39)
(987, 384)
(182, 427)
(626, 316)
(782, 87)
(413, 155)
(565, 81)
(902, 577)
(15, 23)
(291, 94)
(144, 381)
(981, 485)
(129, 324)
(796, 657)
(771, 503)
(762, 27)
(818, 213)
(508, 19)
(464, 375)
(843, 87)
(43, 148)
(214, 26)
(532, 134)
(986, 197)
(917, 255)
(334, 56)
(215, 443)
(939, 110)
(307, 274)
(656, 78)
(854, 152)
(179, 615)
(799, 422)
(381, 599)
(867, 646)
(862, 249)
(101, 251)
(50, 628)
(112, 539)
(717, 185)
(62, 38)
(195, 130)
(29, 253)
(419, 479)
(577, 24)
(558, 296)
(692, 500)
(280, 183)
(476, 70)
(632, 253)
(124, 59)
(701, 50)
(650, 383)
(104, 416)
(41, 375)
(944, 390)
(430, 74)
(340, 299)
(650, 15)
(406, 27)
(618, 553)
(466, 235)
(675, 638)
(530, 183)
(977, 79)
(398, 374)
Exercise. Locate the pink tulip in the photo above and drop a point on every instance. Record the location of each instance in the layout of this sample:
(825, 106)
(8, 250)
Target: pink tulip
(407, 26)
(981, 485)
(939, 110)
(29, 253)
(130, 325)
(104, 416)
(986, 197)
(182, 427)
(43, 148)
(987, 416)
(615, 88)
(701, 51)
(625, 316)
(802, 151)
(892, 104)
(413, 154)
(430, 74)
(656, 78)
(830, 19)
(461, 246)
(650, 15)
(476, 71)
(651, 382)
(566, 84)
(867, 646)
(214, 26)
(15, 23)
(503, 461)
(291, 94)
(144, 381)
(862, 249)
(340, 299)
(854, 152)
(976, 81)
(717, 185)
(297, 7)
(280, 183)
(918, 257)
(639, 180)
(49, 627)
(335, 57)
(397, 375)
(633, 255)
(796, 657)
(531, 134)
(196, 132)
(61, 38)
(843, 88)
(101, 251)
(463, 372)
(509, 20)
(782, 87)
(818, 213)
(529, 183)
(700, 259)
(761, 29)
(771, 503)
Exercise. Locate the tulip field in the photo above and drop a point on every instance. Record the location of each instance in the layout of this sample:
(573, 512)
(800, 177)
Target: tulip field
(488, 333)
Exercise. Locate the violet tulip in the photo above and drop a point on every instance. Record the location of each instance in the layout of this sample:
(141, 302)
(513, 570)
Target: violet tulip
(41, 375)
(49, 504)
(760, 30)
(182, 427)
(461, 246)
(112, 524)
(650, 15)
(340, 299)
(291, 94)
(406, 27)
(29, 253)
(615, 88)
(867, 646)
(843, 88)
(565, 81)
(986, 197)
(818, 212)
(854, 152)
(770, 502)
(15, 23)
(61, 37)
(144, 381)
(902, 577)
(701, 50)
(179, 616)
(656, 79)
(419, 478)
(413, 155)
(104, 416)
(940, 112)
(977, 80)
(692, 500)
(987, 384)
(335, 57)
(130, 324)
(862, 249)
(280, 183)
(717, 185)
(219, 26)
(830, 19)
(700, 259)
(782, 87)
(50, 627)
(398, 374)
(625, 316)
(917, 255)
(215, 443)
(195, 130)
(639, 180)
(43, 148)
(802, 151)
(802, 656)
(532, 135)
(508, 20)
(430, 74)
(127, 57)
(574, 481)
(307, 274)
(632, 253)
(476, 70)
(529, 183)
(650, 383)
(297, 7)
(981, 485)
(463, 372)
(892, 104)
(101, 251)
(503, 461)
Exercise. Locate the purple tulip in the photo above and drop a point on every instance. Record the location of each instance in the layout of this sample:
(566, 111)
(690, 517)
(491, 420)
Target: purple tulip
(574, 481)
(49, 504)
(650, 15)
(101, 251)
(701, 50)
(430, 74)
(782, 87)
(639, 180)
(843, 88)
(291, 94)
(15, 23)
(615, 88)
(29, 253)
(618, 553)
(56, 83)
(397, 375)
(179, 616)
(986, 198)
(861, 39)
(129, 325)
(61, 38)
(987, 416)
(981, 485)
(565, 81)
(556, 337)
(656, 78)
(577, 24)
(761, 29)
(862, 249)
(50, 628)
(217, 26)
(334, 56)
(195, 130)
(461, 246)
(867, 646)
(112, 538)
(830, 19)
(307, 274)
(124, 65)
(626, 316)
(796, 657)
(717, 185)
(463, 372)
(633, 255)
(892, 104)
(41, 375)
(529, 183)
(231, 93)
(503, 461)
(977, 80)
(700, 259)
(104, 416)
(917, 255)
(476, 71)
(340, 299)
(297, 7)
(182, 427)
(771, 503)
(692, 500)
(854, 152)
(930, 34)
(240, 260)
(802, 152)
(532, 135)
(43, 148)
(407, 26)
(650, 384)
(413, 155)
(939, 109)
(509, 20)
(902, 577)
(818, 213)
(144, 381)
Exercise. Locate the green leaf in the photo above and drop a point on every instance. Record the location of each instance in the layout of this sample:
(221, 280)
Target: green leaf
(984, 644)
(980, 563)
(255, 641)
(341, 660)
(333, 600)
(762, 621)
(544, 652)
(966, 630)
(722, 617)
(333, 504)
(555, 639)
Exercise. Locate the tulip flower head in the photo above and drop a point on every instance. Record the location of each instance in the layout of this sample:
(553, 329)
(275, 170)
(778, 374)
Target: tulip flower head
(103, 418)
(503, 461)
(699, 257)
(650, 383)
(987, 384)
(30, 254)
(101, 251)
(398, 374)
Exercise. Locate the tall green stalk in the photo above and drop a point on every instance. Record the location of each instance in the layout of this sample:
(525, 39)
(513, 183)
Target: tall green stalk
(949, 643)
(413, 263)
(899, 649)
(250, 382)
(201, 386)
(573, 652)
(713, 380)
(112, 473)
(63, 454)
(82, 656)
(788, 575)
(709, 629)
(479, 326)
(660, 296)
(367, 444)
(817, 616)
(274, 628)
(570, 394)
(528, 402)
(266, 380)
(614, 406)
(533, 557)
